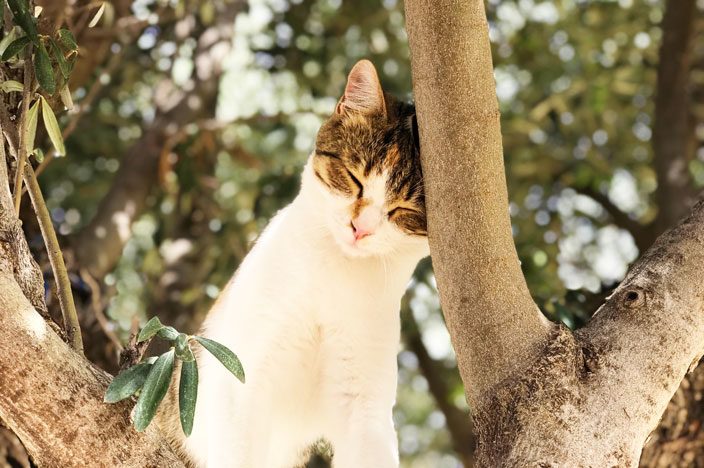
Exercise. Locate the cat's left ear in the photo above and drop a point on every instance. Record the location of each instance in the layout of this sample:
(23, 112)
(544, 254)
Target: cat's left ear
(363, 93)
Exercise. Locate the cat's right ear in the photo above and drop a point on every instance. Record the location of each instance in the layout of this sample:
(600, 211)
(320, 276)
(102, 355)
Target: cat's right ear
(363, 92)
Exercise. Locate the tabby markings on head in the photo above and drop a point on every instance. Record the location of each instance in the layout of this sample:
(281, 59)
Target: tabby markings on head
(372, 134)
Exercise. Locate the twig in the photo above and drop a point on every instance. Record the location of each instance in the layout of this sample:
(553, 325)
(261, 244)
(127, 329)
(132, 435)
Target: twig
(98, 309)
(63, 284)
(24, 130)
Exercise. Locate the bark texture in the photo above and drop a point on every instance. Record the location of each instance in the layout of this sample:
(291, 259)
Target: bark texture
(52, 398)
(482, 290)
(540, 395)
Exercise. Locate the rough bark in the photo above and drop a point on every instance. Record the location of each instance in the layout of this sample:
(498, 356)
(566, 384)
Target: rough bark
(540, 395)
(458, 117)
(52, 398)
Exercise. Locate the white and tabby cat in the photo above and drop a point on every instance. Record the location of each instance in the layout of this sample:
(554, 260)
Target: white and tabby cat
(313, 311)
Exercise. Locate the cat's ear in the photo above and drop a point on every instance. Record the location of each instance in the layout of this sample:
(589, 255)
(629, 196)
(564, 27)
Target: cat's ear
(363, 93)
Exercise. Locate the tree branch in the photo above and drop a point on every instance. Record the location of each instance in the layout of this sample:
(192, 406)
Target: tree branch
(52, 398)
(494, 324)
(63, 284)
(643, 235)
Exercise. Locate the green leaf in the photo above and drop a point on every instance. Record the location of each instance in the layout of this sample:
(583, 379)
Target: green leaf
(150, 329)
(187, 394)
(66, 99)
(32, 117)
(2, 17)
(183, 349)
(15, 48)
(154, 390)
(11, 85)
(67, 38)
(127, 383)
(168, 333)
(43, 70)
(224, 355)
(52, 127)
(97, 16)
(38, 154)
(25, 20)
(60, 59)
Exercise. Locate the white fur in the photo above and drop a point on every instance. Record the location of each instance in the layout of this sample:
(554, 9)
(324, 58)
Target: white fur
(313, 316)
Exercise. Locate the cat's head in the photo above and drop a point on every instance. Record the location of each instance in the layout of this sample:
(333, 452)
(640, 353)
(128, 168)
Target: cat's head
(367, 165)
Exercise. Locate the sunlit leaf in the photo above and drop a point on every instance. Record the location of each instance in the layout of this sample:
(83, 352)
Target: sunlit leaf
(224, 355)
(15, 48)
(10, 86)
(187, 394)
(154, 390)
(43, 70)
(150, 329)
(66, 98)
(52, 128)
(128, 382)
(97, 16)
(32, 117)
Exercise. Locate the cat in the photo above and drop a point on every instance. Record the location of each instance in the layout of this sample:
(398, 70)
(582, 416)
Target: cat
(313, 310)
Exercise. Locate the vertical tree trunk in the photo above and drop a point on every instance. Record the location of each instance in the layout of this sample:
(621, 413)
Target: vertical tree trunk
(540, 396)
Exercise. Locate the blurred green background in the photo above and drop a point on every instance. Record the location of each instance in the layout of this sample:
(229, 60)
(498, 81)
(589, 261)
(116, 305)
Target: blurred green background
(224, 100)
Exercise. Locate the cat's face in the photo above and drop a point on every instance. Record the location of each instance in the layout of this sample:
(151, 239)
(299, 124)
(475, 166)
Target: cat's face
(367, 161)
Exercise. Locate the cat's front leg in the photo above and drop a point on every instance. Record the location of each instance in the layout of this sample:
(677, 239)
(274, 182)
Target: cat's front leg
(369, 441)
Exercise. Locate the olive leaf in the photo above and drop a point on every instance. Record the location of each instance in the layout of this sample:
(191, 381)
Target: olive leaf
(15, 47)
(52, 128)
(187, 394)
(154, 390)
(183, 349)
(224, 355)
(43, 70)
(11, 85)
(128, 382)
(167, 333)
(32, 117)
(66, 98)
(150, 329)
(97, 16)
(25, 20)
(60, 59)
(67, 38)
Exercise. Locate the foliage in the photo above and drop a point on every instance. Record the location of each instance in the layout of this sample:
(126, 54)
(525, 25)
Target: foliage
(152, 377)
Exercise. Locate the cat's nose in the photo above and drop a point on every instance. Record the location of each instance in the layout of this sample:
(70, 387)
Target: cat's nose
(358, 229)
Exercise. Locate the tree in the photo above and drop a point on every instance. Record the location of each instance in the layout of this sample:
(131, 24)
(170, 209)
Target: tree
(159, 195)
(540, 395)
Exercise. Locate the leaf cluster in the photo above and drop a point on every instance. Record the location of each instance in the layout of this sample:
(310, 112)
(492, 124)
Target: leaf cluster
(151, 378)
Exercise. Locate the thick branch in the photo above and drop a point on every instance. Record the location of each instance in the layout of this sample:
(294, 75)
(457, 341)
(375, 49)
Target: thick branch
(493, 322)
(52, 398)
(673, 132)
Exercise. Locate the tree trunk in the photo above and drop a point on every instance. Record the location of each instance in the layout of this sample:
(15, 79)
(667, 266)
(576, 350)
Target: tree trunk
(540, 396)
